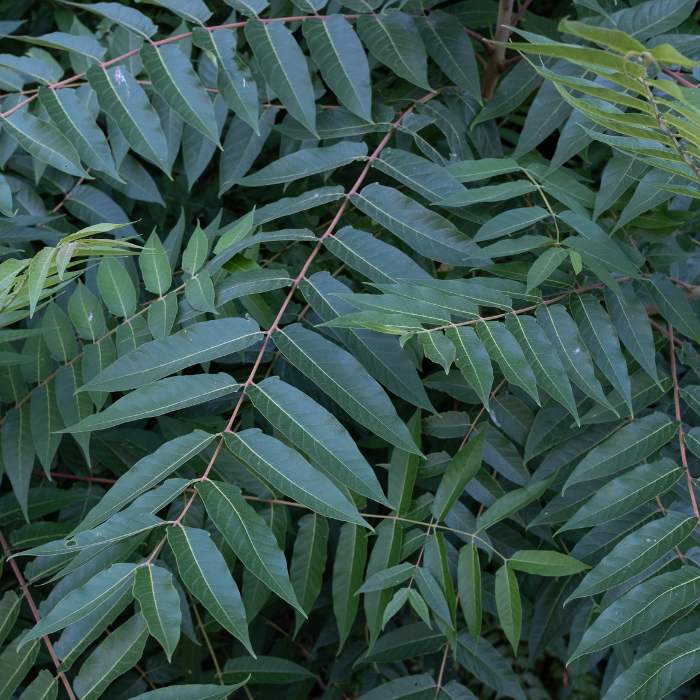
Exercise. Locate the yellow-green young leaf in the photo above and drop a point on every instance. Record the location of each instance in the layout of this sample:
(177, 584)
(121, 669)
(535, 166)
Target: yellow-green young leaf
(38, 272)
(631, 444)
(545, 563)
(125, 101)
(155, 266)
(508, 604)
(15, 664)
(236, 232)
(469, 584)
(204, 571)
(284, 66)
(612, 38)
(460, 471)
(348, 569)
(308, 563)
(160, 605)
(576, 261)
(115, 655)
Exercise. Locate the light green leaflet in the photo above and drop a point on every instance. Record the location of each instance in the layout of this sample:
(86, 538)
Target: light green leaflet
(197, 343)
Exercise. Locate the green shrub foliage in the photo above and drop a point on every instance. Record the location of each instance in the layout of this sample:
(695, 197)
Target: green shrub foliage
(349, 350)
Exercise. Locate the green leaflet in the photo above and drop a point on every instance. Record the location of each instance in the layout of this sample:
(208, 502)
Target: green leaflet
(635, 553)
(266, 670)
(543, 359)
(318, 433)
(192, 692)
(145, 474)
(508, 604)
(289, 472)
(394, 39)
(127, 17)
(117, 653)
(44, 141)
(204, 572)
(160, 605)
(543, 563)
(233, 78)
(174, 79)
(425, 231)
(563, 334)
(15, 662)
(511, 503)
(308, 563)
(309, 161)
(631, 444)
(461, 469)
(139, 121)
(673, 305)
(473, 360)
(503, 348)
(248, 536)
(626, 493)
(43, 687)
(155, 266)
(339, 54)
(283, 64)
(9, 609)
(197, 343)
(83, 600)
(18, 452)
(347, 576)
(344, 380)
(75, 123)
(664, 669)
(642, 608)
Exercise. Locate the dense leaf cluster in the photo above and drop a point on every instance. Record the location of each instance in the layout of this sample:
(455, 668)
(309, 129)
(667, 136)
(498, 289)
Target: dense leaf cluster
(349, 355)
